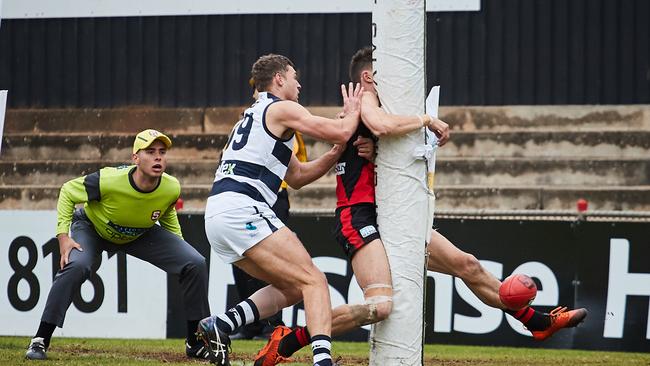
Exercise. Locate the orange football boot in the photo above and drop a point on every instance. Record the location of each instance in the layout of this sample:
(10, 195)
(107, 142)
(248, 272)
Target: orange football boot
(269, 356)
(561, 318)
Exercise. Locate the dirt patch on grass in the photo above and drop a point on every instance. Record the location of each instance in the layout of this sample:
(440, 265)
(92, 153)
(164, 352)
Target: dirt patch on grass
(179, 357)
(428, 361)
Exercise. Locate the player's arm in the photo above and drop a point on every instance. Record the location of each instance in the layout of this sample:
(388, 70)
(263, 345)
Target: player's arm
(300, 174)
(381, 123)
(169, 221)
(78, 190)
(291, 115)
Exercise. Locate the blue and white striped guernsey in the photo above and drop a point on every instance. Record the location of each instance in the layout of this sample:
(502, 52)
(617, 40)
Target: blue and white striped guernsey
(253, 164)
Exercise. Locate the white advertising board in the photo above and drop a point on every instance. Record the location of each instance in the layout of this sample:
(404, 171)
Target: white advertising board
(16, 9)
(126, 299)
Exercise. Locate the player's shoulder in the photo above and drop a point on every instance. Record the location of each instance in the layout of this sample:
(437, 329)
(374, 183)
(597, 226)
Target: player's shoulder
(115, 171)
(170, 179)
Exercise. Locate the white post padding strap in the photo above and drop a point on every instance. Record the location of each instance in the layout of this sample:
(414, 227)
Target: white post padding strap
(401, 193)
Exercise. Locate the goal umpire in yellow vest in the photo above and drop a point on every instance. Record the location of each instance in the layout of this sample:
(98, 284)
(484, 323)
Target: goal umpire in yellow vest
(121, 207)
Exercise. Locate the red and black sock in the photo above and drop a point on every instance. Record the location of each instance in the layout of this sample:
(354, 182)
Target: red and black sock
(294, 341)
(531, 318)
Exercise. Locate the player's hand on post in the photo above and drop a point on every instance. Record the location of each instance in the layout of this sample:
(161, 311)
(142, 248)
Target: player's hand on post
(366, 147)
(351, 98)
(440, 128)
(66, 244)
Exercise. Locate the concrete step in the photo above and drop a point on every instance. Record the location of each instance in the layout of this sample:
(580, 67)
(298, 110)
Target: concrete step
(131, 120)
(221, 120)
(636, 198)
(504, 172)
(122, 120)
(106, 147)
(57, 172)
(565, 117)
(111, 147)
(523, 143)
(472, 197)
(497, 172)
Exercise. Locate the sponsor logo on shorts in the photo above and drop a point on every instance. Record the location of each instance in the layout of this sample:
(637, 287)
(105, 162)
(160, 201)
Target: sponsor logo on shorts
(367, 231)
(340, 168)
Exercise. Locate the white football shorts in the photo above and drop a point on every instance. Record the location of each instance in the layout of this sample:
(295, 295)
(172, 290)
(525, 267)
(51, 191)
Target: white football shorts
(233, 232)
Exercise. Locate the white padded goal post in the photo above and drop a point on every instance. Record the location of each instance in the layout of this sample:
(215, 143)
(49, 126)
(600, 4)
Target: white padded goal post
(403, 200)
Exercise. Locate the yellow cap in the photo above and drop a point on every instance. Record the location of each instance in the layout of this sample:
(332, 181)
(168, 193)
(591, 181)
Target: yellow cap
(147, 137)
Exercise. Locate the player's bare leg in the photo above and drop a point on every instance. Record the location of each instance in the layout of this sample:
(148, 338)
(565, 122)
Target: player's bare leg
(282, 261)
(445, 257)
(372, 271)
(371, 268)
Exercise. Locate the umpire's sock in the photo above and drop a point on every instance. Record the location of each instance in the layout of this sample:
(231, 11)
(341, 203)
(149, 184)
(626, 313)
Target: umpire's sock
(531, 318)
(45, 331)
(293, 342)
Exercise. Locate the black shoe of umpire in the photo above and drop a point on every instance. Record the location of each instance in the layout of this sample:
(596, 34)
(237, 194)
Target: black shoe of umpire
(216, 341)
(36, 349)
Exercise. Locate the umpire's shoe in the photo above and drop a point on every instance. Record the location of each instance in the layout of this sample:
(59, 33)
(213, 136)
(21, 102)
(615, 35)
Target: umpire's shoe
(36, 349)
(216, 341)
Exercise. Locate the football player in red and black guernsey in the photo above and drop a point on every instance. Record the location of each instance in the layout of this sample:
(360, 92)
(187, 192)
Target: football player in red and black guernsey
(356, 231)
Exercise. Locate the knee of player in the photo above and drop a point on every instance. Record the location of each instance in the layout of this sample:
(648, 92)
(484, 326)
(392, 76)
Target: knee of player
(383, 306)
(469, 267)
(78, 269)
(384, 309)
(376, 309)
(311, 276)
(195, 264)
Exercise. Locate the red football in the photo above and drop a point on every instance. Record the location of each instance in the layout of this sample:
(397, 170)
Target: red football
(517, 291)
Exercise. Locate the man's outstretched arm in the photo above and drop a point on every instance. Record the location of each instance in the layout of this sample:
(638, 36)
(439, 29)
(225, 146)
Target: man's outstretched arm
(382, 124)
(300, 174)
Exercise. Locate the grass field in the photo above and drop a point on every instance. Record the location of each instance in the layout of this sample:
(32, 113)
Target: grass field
(75, 351)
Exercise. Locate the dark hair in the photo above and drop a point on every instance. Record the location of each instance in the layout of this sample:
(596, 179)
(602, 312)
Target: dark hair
(360, 61)
(265, 68)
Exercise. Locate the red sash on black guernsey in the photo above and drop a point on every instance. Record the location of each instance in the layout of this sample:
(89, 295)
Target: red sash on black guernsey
(355, 176)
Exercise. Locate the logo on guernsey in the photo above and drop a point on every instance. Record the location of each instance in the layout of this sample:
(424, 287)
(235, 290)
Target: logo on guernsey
(227, 168)
(155, 215)
(340, 168)
(367, 231)
(116, 231)
(250, 226)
